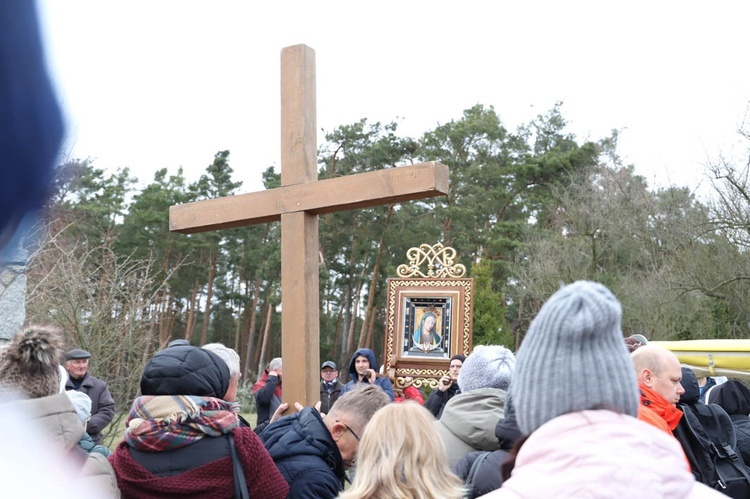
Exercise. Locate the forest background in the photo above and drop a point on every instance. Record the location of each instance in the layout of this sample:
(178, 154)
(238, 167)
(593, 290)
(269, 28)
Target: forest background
(527, 210)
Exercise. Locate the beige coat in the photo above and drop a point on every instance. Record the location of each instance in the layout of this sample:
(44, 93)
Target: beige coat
(57, 415)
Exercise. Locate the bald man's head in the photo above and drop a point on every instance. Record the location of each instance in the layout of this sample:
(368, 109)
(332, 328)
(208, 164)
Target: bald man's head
(659, 370)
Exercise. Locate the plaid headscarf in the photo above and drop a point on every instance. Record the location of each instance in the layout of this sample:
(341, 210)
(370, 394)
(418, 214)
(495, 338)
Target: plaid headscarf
(168, 422)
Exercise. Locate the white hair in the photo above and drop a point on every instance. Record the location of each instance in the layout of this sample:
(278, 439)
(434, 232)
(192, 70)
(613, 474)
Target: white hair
(228, 355)
(274, 364)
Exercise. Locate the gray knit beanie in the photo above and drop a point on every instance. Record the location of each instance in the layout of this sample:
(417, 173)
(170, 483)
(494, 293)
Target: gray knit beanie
(573, 358)
(488, 366)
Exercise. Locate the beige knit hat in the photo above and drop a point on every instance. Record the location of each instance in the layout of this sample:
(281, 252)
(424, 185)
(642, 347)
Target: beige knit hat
(30, 363)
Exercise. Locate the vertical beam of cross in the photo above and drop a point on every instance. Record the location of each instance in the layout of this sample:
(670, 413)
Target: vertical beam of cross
(300, 324)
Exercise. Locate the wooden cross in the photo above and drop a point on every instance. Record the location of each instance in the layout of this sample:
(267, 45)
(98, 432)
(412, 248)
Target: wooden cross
(297, 203)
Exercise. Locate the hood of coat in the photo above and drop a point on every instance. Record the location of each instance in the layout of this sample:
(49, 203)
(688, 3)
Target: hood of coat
(365, 352)
(507, 431)
(601, 444)
(732, 396)
(57, 415)
(690, 385)
(473, 416)
(185, 370)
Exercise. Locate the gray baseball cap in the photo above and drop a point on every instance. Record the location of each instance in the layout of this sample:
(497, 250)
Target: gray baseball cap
(77, 353)
(329, 363)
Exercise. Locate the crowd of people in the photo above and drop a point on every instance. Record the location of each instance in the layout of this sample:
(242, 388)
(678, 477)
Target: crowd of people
(577, 411)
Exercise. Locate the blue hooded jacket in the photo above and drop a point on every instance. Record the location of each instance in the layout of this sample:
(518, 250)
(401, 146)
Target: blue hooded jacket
(382, 382)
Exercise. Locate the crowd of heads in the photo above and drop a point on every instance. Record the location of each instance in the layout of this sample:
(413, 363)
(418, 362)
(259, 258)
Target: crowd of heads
(573, 359)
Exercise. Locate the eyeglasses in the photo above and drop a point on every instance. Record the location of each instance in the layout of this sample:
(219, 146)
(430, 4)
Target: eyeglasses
(350, 430)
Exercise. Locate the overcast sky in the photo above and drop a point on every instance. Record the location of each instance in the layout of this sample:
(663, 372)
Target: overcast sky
(168, 83)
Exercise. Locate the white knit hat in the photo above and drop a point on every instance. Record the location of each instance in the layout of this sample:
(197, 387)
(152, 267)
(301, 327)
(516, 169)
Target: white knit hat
(488, 366)
(82, 403)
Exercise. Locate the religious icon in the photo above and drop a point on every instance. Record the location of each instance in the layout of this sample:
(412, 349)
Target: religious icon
(428, 317)
(426, 336)
(426, 326)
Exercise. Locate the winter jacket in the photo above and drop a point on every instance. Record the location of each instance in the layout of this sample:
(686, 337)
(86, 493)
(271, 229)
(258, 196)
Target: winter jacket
(200, 470)
(601, 454)
(411, 393)
(469, 420)
(102, 404)
(306, 455)
(58, 417)
(327, 398)
(267, 396)
(384, 383)
(435, 403)
(487, 476)
(734, 397)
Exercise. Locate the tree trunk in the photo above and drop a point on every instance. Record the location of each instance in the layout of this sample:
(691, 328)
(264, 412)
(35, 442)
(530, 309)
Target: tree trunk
(367, 322)
(190, 322)
(251, 330)
(266, 335)
(336, 337)
(209, 294)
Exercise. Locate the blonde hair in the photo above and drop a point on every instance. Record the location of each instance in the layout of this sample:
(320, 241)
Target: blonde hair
(401, 455)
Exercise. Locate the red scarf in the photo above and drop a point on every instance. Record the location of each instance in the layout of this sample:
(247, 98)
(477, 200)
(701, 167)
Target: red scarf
(658, 404)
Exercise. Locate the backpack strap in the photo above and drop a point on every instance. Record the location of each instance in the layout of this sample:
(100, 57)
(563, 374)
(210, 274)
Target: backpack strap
(474, 470)
(240, 484)
(725, 449)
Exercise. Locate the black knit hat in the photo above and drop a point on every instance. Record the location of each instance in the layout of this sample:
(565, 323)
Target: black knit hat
(185, 370)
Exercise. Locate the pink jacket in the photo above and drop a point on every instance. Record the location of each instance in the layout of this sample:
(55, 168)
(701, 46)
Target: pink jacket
(601, 454)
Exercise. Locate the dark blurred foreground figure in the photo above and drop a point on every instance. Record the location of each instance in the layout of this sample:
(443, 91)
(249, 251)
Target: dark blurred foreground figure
(734, 397)
(31, 127)
(575, 397)
(184, 440)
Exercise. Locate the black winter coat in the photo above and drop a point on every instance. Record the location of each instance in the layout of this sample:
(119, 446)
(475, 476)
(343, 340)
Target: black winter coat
(487, 476)
(435, 403)
(306, 455)
(327, 399)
